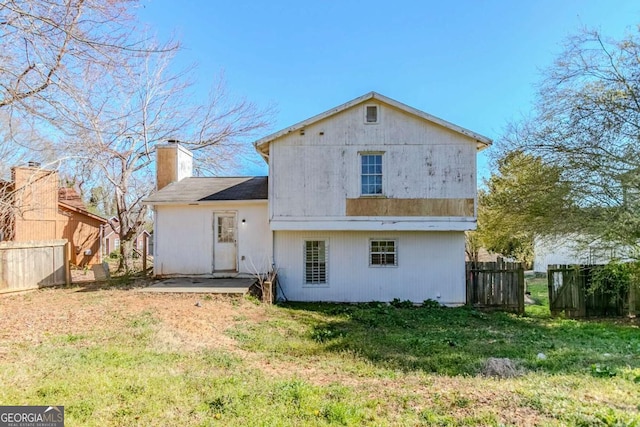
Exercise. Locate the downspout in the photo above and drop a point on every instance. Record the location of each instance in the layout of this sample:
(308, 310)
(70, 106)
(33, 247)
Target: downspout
(101, 243)
(155, 242)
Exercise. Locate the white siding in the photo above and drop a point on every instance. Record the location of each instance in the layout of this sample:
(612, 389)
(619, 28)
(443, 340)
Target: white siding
(313, 174)
(430, 266)
(184, 237)
(568, 250)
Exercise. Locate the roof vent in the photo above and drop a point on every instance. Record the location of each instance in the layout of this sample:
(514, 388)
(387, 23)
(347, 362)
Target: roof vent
(371, 114)
(173, 141)
(33, 164)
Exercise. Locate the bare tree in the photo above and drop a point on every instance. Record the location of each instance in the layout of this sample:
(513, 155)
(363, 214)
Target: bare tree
(48, 44)
(47, 47)
(107, 94)
(115, 122)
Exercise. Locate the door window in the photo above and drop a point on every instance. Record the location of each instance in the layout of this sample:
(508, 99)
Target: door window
(226, 229)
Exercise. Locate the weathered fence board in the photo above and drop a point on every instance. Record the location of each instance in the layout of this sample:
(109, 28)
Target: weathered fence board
(32, 265)
(569, 293)
(496, 285)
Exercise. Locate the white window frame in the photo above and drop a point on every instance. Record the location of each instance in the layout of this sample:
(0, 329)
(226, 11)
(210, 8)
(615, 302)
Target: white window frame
(365, 118)
(362, 173)
(382, 252)
(315, 284)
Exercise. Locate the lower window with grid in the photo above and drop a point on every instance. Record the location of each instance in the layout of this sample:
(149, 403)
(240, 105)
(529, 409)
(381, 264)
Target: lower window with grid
(383, 253)
(315, 262)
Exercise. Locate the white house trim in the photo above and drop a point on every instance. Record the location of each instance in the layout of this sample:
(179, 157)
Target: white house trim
(375, 223)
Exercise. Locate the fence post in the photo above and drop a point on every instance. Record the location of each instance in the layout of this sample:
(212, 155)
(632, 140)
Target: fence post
(67, 263)
(583, 275)
(467, 280)
(521, 289)
(550, 289)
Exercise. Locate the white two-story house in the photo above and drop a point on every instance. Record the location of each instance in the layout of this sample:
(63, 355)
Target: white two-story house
(368, 201)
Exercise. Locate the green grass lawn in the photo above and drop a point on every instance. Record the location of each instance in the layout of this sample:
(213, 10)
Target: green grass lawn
(323, 364)
(539, 293)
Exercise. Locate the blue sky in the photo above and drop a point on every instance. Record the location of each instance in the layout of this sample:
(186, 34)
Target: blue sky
(473, 63)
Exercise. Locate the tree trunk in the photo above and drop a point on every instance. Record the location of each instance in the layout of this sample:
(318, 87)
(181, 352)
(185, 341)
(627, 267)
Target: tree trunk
(126, 256)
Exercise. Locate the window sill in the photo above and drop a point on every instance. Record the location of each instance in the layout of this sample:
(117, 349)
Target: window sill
(316, 286)
(383, 266)
(373, 196)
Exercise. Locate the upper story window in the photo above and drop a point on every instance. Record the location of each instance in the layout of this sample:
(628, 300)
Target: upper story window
(371, 174)
(371, 114)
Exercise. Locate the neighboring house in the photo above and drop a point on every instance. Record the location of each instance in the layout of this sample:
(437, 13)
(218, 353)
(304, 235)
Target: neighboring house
(367, 201)
(568, 250)
(43, 211)
(111, 239)
(486, 256)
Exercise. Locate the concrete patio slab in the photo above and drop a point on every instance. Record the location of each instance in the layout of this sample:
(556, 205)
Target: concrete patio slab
(201, 285)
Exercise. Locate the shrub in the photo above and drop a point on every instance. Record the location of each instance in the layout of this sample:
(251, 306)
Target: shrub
(430, 303)
(612, 280)
(401, 304)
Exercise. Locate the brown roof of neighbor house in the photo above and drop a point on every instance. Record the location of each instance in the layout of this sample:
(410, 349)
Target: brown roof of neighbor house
(71, 197)
(84, 212)
(192, 190)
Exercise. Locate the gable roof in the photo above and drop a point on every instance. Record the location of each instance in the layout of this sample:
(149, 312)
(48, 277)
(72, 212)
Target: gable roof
(262, 145)
(81, 212)
(68, 198)
(197, 189)
(71, 197)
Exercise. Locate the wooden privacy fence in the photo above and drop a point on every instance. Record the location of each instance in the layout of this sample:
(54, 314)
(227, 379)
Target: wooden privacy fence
(496, 285)
(32, 265)
(569, 293)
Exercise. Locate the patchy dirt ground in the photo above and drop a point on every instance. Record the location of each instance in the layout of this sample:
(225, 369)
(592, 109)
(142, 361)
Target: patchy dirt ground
(33, 315)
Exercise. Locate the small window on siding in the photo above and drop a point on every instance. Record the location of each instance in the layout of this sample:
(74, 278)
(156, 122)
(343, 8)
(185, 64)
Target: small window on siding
(315, 262)
(383, 253)
(371, 114)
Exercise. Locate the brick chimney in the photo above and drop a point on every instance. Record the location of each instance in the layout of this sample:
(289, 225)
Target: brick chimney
(173, 163)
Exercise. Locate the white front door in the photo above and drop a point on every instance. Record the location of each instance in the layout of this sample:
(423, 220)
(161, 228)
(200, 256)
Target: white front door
(224, 242)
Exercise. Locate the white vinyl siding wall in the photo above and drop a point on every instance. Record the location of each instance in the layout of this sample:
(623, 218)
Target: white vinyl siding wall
(431, 267)
(312, 175)
(185, 244)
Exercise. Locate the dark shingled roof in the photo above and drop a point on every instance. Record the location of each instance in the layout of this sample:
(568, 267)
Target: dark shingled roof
(192, 190)
(255, 188)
